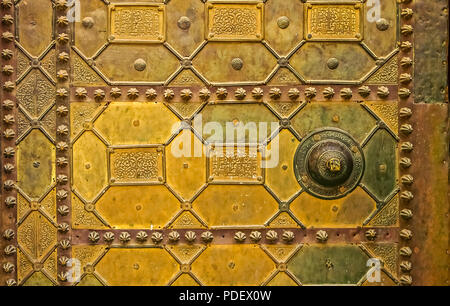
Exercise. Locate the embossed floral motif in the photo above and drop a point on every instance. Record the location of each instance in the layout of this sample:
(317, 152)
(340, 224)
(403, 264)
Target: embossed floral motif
(9, 152)
(124, 237)
(405, 46)
(346, 93)
(8, 36)
(240, 237)
(63, 38)
(406, 234)
(288, 236)
(221, 93)
(8, 19)
(207, 237)
(62, 21)
(405, 112)
(61, 93)
(61, 162)
(404, 93)
(407, 179)
(406, 280)
(8, 168)
(63, 260)
(230, 21)
(271, 236)
(93, 237)
(8, 185)
(405, 78)
(10, 202)
(186, 94)
(8, 119)
(9, 134)
(364, 91)
(62, 276)
(322, 236)
(133, 93)
(62, 146)
(62, 130)
(62, 111)
(406, 214)
(407, 13)
(61, 4)
(99, 94)
(405, 162)
(406, 62)
(108, 236)
(8, 104)
(7, 70)
(174, 236)
(190, 236)
(406, 266)
(11, 282)
(142, 236)
(6, 4)
(151, 94)
(8, 86)
(406, 129)
(240, 93)
(63, 57)
(8, 267)
(405, 251)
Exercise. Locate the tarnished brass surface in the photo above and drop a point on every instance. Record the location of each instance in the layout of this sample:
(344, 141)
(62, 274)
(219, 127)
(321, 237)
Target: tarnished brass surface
(204, 142)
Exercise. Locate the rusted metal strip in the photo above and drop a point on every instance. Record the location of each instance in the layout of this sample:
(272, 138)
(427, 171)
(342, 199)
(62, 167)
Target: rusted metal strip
(8, 227)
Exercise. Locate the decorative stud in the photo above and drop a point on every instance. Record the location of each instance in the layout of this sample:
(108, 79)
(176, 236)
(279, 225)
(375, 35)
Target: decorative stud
(64, 244)
(8, 168)
(9, 152)
(407, 13)
(406, 46)
(62, 111)
(62, 146)
(115, 92)
(406, 62)
(62, 130)
(8, 185)
(124, 237)
(404, 93)
(62, 75)
(332, 63)
(81, 93)
(405, 251)
(8, 86)
(407, 179)
(406, 234)
(133, 93)
(204, 94)
(157, 237)
(240, 93)
(186, 94)
(62, 21)
(93, 237)
(255, 236)
(99, 94)
(271, 236)
(140, 64)
(7, 70)
(406, 129)
(7, 54)
(6, 4)
(62, 276)
(328, 93)
(346, 93)
(406, 147)
(9, 134)
(406, 266)
(221, 93)
(275, 93)
(405, 162)
(406, 30)
(190, 236)
(8, 267)
(63, 210)
(207, 237)
(10, 202)
(142, 236)
(108, 236)
(8, 234)
(63, 38)
(293, 94)
(8, 36)
(10, 250)
(406, 214)
(406, 280)
(383, 92)
(257, 93)
(61, 93)
(8, 104)
(151, 94)
(63, 227)
(310, 92)
(11, 282)
(61, 4)
(405, 112)
(405, 78)
(8, 119)
(237, 63)
(63, 57)
(7, 19)
(288, 236)
(174, 236)
(283, 22)
(62, 162)
(322, 236)
(371, 234)
(63, 260)
(184, 23)
(168, 94)
(240, 237)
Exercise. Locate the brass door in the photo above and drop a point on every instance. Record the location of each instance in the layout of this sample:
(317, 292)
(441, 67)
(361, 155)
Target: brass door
(198, 142)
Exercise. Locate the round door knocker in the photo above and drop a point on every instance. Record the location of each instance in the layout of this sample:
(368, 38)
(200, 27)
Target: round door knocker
(329, 163)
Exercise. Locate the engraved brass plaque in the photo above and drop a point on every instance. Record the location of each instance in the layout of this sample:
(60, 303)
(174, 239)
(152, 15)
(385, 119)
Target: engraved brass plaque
(234, 142)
